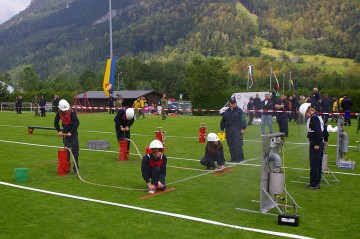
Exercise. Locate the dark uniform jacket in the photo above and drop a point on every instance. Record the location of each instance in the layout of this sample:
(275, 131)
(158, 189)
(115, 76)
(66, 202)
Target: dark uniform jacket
(233, 119)
(317, 131)
(120, 119)
(149, 162)
(70, 122)
(269, 106)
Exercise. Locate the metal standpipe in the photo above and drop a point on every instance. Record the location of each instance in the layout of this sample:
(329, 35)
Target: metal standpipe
(272, 177)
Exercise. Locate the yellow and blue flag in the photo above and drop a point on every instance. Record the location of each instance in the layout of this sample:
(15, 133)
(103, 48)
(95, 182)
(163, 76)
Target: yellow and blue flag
(109, 76)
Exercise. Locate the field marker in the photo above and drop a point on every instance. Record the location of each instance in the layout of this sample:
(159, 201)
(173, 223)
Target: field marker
(191, 218)
(156, 193)
(223, 171)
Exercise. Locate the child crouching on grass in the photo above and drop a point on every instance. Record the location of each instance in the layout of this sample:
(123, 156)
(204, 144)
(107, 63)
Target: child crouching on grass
(214, 152)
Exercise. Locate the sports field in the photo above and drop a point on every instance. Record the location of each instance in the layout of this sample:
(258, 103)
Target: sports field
(199, 204)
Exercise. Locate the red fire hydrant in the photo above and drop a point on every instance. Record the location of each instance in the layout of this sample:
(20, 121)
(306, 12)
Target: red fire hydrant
(160, 135)
(123, 150)
(63, 163)
(202, 132)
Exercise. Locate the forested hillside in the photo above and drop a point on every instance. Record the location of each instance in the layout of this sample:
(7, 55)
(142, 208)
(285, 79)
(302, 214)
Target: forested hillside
(66, 37)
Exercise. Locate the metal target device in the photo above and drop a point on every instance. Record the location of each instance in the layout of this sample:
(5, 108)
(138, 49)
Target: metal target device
(342, 145)
(272, 183)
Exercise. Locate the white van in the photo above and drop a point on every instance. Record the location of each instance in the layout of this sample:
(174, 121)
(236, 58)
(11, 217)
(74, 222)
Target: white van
(242, 99)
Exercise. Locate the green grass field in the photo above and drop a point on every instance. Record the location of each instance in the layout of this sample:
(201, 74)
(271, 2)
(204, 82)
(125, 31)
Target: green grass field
(332, 212)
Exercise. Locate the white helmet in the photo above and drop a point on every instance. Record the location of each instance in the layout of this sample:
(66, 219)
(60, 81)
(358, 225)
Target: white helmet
(303, 108)
(64, 105)
(156, 144)
(212, 137)
(129, 113)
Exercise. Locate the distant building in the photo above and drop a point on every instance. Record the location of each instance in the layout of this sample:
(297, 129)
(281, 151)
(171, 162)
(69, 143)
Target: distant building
(99, 99)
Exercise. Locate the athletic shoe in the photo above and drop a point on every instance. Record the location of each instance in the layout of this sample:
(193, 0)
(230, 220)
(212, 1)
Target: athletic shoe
(152, 191)
(313, 188)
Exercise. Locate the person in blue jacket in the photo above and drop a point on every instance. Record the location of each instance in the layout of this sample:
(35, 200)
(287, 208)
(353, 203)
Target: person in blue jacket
(234, 123)
(318, 138)
(214, 152)
(153, 167)
(70, 124)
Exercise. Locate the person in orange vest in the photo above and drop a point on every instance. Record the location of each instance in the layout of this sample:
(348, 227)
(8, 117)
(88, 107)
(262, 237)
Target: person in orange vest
(153, 167)
(70, 124)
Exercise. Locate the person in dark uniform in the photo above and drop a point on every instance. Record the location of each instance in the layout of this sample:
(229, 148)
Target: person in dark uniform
(282, 117)
(294, 107)
(250, 106)
(111, 104)
(153, 166)
(55, 103)
(214, 152)
(124, 119)
(318, 137)
(18, 104)
(42, 105)
(234, 122)
(70, 124)
(326, 106)
(257, 106)
(346, 104)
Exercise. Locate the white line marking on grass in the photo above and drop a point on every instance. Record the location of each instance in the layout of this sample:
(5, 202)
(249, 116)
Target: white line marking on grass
(191, 218)
(107, 151)
(172, 136)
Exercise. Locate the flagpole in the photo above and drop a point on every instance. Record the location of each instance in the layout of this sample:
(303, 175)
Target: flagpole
(270, 76)
(247, 84)
(110, 26)
(283, 81)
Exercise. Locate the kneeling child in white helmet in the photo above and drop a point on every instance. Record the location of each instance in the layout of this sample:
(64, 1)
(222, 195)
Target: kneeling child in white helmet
(214, 152)
(154, 167)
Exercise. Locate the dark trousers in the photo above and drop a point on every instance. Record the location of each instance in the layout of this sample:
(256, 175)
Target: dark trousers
(209, 160)
(283, 123)
(72, 143)
(325, 117)
(234, 140)
(154, 174)
(123, 135)
(42, 110)
(251, 117)
(315, 156)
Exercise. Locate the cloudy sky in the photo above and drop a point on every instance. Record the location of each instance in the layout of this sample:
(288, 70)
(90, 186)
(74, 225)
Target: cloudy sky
(9, 8)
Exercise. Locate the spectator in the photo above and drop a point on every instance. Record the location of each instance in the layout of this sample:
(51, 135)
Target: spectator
(55, 103)
(42, 105)
(346, 104)
(326, 106)
(35, 105)
(335, 109)
(18, 104)
(257, 106)
(282, 117)
(119, 101)
(294, 107)
(266, 118)
(250, 106)
(111, 101)
(164, 106)
(316, 99)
